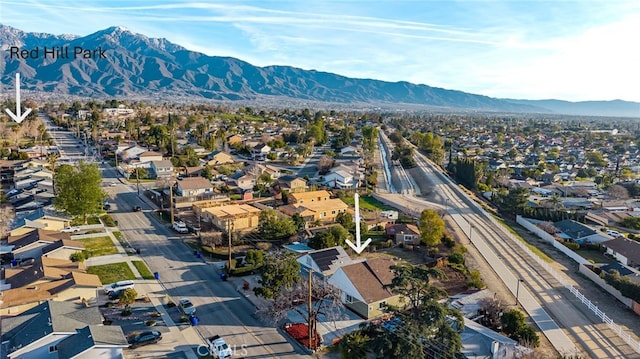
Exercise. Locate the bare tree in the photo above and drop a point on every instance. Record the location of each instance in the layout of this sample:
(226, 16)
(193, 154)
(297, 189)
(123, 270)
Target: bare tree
(322, 299)
(324, 164)
(618, 192)
(6, 218)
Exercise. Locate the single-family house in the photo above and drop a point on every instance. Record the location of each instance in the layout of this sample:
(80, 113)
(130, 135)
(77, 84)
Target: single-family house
(193, 186)
(94, 341)
(339, 179)
(307, 197)
(324, 211)
(150, 156)
(348, 151)
(403, 233)
(325, 262)
(580, 233)
(242, 181)
(261, 150)
(30, 244)
(41, 270)
(39, 218)
(216, 158)
(624, 250)
(233, 217)
(44, 331)
(74, 287)
(62, 249)
(162, 169)
(129, 153)
(363, 287)
(292, 184)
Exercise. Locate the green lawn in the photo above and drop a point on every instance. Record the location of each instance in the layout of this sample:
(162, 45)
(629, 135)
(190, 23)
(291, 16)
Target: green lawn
(110, 273)
(118, 236)
(99, 246)
(367, 203)
(143, 270)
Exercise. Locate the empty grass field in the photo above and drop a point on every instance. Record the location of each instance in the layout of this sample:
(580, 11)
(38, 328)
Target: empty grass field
(99, 246)
(113, 272)
(367, 203)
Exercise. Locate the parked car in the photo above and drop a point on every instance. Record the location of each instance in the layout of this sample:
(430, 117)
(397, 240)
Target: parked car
(614, 233)
(70, 229)
(137, 209)
(187, 307)
(115, 294)
(180, 227)
(144, 338)
(118, 286)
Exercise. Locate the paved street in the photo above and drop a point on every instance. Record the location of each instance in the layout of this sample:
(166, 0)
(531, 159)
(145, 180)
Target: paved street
(221, 309)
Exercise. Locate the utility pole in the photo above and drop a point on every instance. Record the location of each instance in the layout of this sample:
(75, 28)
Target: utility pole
(230, 237)
(310, 309)
(138, 180)
(171, 201)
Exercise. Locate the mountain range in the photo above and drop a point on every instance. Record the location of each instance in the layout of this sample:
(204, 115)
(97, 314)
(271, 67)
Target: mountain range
(139, 66)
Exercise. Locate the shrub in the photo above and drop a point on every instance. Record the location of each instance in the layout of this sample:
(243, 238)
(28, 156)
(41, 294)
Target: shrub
(632, 236)
(128, 296)
(572, 245)
(77, 257)
(457, 258)
(126, 311)
(474, 280)
(108, 220)
(448, 241)
(171, 304)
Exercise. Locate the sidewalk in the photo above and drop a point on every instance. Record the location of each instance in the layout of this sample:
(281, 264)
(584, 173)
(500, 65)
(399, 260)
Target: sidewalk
(121, 256)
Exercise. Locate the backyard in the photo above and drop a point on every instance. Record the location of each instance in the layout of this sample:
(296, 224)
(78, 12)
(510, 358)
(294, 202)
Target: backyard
(367, 203)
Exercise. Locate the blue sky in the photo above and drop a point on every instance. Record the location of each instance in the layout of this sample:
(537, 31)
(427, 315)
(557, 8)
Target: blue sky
(571, 50)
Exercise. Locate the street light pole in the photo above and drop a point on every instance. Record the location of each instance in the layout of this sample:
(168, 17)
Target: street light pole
(518, 289)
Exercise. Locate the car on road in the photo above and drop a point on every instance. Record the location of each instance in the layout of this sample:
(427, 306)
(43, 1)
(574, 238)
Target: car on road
(144, 338)
(137, 209)
(112, 184)
(180, 227)
(218, 348)
(70, 229)
(187, 307)
(614, 233)
(118, 286)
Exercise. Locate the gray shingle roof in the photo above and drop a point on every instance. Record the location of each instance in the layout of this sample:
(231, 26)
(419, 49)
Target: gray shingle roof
(90, 336)
(46, 318)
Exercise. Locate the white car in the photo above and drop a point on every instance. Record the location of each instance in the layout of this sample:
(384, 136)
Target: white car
(70, 229)
(187, 307)
(118, 286)
(614, 233)
(180, 227)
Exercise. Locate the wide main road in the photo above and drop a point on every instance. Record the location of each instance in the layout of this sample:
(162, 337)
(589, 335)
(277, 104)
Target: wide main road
(220, 308)
(539, 292)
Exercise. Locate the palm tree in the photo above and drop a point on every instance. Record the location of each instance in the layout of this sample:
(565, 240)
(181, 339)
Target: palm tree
(52, 160)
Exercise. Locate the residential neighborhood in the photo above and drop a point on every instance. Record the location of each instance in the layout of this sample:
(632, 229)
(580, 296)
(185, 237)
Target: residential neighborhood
(189, 210)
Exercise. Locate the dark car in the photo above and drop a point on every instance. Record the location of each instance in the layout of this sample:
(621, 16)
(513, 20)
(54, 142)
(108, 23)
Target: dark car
(144, 338)
(114, 295)
(137, 209)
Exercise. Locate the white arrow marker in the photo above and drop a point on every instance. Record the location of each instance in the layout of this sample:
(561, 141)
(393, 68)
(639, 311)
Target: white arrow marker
(18, 116)
(358, 247)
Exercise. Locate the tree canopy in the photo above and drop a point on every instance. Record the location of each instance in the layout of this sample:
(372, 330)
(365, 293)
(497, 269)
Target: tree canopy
(279, 271)
(333, 236)
(78, 190)
(274, 226)
(431, 227)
